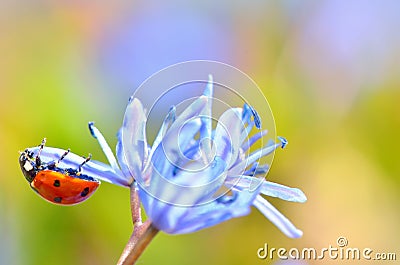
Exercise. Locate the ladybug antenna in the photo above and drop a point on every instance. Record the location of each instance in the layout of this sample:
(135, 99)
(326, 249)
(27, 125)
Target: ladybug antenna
(41, 146)
(84, 162)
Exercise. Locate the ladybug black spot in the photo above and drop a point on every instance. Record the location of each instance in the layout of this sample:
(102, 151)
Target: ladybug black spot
(56, 183)
(57, 199)
(85, 192)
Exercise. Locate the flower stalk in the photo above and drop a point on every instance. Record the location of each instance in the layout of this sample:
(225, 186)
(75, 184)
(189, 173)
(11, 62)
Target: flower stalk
(142, 235)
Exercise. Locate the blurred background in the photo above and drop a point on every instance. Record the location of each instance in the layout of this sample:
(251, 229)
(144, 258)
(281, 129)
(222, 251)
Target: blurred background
(329, 69)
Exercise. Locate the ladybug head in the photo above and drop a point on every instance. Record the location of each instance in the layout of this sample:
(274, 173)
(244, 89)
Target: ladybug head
(28, 165)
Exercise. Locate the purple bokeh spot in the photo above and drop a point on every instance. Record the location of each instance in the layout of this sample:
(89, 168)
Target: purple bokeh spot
(148, 41)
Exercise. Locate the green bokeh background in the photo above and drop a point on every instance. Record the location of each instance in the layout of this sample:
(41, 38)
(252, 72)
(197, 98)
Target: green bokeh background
(330, 72)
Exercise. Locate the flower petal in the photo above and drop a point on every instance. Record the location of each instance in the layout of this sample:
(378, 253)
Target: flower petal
(132, 144)
(169, 154)
(257, 169)
(249, 112)
(227, 135)
(276, 217)
(170, 118)
(206, 119)
(239, 168)
(202, 216)
(121, 157)
(186, 190)
(283, 192)
(193, 110)
(105, 147)
(246, 144)
(267, 188)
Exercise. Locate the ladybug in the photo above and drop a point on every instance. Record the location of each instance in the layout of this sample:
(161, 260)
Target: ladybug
(63, 186)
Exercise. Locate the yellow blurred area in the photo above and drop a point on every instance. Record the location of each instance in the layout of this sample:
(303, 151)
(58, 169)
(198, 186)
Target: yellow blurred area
(330, 72)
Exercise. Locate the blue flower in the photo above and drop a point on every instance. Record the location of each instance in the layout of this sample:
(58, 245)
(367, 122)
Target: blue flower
(193, 176)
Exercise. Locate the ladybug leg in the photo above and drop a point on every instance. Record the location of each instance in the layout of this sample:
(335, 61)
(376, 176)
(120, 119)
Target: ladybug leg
(63, 155)
(54, 164)
(84, 162)
(41, 146)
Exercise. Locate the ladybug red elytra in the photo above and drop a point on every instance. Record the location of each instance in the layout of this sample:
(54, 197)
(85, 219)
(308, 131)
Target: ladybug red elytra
(64, 186)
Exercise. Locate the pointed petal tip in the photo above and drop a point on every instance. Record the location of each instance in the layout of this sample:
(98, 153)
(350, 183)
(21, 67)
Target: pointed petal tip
(92, 128)
(277, 218)
(256, 117)
(301, 196)
(295, 234)
(171, 116)
(134, 102)
(248, 112)
(283, 140)
(131, 98)
(283, 192)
